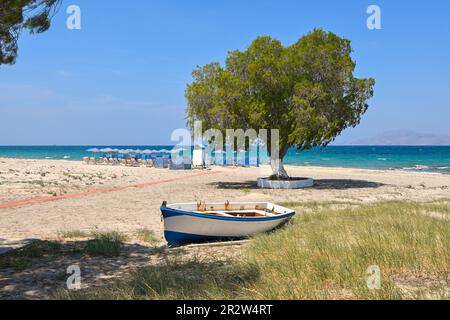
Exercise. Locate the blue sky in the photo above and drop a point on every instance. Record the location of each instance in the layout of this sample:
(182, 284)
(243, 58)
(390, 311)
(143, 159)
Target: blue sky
(121, 78)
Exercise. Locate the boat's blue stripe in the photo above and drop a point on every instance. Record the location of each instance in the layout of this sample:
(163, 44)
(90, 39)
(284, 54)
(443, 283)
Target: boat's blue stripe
(168, 212)
(174, 238)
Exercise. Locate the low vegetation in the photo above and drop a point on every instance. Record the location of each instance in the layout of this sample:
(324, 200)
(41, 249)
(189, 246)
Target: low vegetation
(146, 235)
(73, 234)
(323, 254)
(105, 244)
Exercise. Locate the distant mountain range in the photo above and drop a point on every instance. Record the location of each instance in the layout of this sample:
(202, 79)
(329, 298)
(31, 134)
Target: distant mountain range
(404, 137)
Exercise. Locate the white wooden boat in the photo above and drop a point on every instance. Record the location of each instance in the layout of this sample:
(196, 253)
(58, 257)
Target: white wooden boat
(194, 222)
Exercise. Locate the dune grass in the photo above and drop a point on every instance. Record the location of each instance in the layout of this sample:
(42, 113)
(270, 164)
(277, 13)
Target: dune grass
(73, 234)
(323, 254)
(146, 235)
(326, 254)
(106, 244)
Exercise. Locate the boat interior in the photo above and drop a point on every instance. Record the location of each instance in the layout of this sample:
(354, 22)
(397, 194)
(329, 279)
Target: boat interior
(228, 210)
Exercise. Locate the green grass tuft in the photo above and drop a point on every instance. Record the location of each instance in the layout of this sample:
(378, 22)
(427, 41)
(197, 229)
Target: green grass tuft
(106, 244)
(73, 234)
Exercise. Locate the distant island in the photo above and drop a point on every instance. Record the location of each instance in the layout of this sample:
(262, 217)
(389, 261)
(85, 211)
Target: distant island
(404, 137)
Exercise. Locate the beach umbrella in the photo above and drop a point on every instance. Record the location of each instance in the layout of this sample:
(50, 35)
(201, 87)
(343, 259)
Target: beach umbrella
(93, 150)
(107, 150)
(176, 150)
(147, 152)
(163, 151)
(115, 153)
(122, 151)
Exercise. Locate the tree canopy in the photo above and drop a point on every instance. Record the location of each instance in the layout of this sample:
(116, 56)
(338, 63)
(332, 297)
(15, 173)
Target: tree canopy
(16, 15)
(306, 90)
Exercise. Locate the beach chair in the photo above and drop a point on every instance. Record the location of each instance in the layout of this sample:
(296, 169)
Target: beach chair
(132, 162)
(176, 166)
(158, 162)
(149, 163)
(166, 162)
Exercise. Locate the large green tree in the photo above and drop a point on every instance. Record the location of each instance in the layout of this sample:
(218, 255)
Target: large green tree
(17, 15)
(307, 90)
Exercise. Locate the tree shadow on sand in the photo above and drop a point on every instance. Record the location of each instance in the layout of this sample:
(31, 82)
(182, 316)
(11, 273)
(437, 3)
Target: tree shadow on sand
(340, 184)
(9, 245)
(235, 185)
(331, 184)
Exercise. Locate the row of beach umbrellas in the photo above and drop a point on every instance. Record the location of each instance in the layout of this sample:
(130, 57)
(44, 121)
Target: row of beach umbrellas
(133, 151)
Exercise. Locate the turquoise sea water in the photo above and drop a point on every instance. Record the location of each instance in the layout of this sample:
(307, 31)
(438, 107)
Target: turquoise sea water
(413, 158)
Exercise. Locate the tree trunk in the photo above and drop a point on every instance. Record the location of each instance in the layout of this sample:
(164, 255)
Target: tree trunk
(279, 173)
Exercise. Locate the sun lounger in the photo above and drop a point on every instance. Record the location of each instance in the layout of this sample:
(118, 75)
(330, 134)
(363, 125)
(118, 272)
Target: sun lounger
(158, 162)
(149, 163)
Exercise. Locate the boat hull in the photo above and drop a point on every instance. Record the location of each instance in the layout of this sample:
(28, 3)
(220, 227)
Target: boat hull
(182, 227)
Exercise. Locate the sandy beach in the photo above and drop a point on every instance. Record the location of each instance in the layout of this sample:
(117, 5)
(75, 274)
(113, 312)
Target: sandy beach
(137, 206)
(42, 199)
